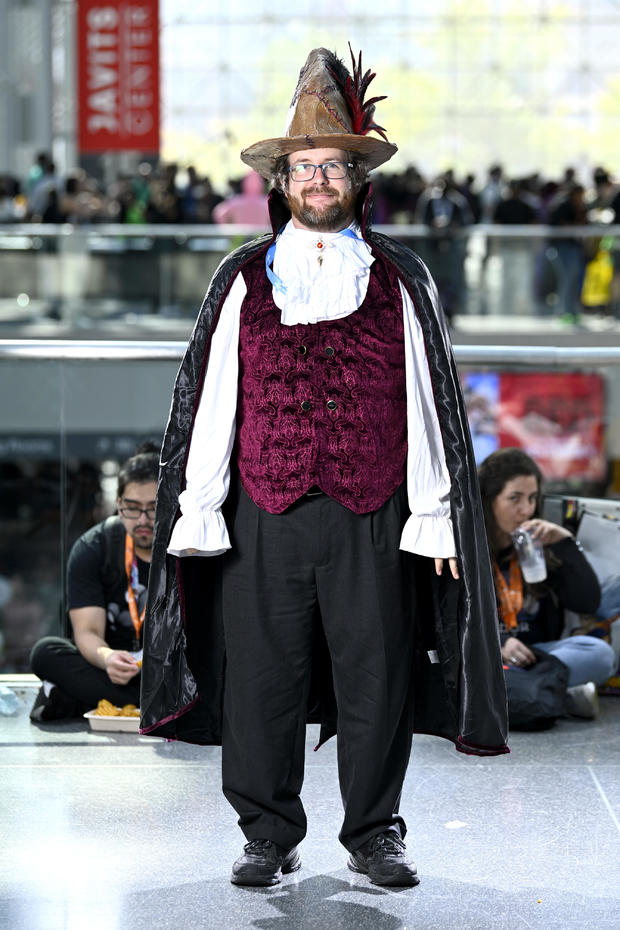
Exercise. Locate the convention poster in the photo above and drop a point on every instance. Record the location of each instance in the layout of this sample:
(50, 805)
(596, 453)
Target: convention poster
(557, 418)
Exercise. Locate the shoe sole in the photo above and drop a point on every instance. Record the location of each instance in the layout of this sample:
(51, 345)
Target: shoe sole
(266, 881)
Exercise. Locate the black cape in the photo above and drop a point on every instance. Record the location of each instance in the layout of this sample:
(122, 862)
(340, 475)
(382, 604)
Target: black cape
(460, 697)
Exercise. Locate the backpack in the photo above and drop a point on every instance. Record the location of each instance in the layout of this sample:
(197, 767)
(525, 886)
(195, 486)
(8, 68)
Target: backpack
(536, 693)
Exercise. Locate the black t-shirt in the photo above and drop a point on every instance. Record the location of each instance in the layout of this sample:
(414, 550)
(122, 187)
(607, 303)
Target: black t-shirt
(96, 578)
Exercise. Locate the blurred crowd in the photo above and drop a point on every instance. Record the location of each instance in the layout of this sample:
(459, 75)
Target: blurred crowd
(561, 274)
(166, 194)
(447, 202)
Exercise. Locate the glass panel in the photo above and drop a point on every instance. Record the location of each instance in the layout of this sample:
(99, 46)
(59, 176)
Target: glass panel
(71, 423)
(150, 285)
(68, 427)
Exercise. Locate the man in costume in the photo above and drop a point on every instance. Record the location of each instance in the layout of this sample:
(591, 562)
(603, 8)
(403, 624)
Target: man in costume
(317, 483)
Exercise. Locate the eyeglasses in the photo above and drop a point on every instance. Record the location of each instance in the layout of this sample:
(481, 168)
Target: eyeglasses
(332, 170)
(132, 512)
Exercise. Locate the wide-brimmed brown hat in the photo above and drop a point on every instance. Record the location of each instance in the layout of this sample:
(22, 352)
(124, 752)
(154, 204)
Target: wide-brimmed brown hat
(327, 111)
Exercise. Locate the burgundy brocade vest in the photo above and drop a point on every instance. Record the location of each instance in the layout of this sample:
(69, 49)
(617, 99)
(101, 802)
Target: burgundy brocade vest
(324, 403)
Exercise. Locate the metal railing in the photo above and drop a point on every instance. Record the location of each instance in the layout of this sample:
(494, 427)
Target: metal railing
(83, 276)
(185, 231)
(117, 350)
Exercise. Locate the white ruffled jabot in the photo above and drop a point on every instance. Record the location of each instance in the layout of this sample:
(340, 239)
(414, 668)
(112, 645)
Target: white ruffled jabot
(319, 276)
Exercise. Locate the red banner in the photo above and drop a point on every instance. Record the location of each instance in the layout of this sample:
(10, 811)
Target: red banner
(118, 75)
(558, 419)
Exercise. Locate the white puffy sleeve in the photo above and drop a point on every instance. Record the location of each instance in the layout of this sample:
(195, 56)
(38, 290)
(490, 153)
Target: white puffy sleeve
(428, 531)
(201, 529)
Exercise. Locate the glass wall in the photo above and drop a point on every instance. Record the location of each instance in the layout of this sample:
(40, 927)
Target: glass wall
(66, 426)
(107, 281)
(73, 412)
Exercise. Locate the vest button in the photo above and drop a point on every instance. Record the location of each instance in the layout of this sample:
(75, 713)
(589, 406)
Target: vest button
(303, 350)
(306, 405)
(331, 404)
(330, 350)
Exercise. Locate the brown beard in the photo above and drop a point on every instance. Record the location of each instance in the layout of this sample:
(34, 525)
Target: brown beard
(332, 218)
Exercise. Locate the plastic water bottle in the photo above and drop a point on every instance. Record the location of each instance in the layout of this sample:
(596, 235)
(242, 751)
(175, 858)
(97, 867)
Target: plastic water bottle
(9, 702)
(530, 554)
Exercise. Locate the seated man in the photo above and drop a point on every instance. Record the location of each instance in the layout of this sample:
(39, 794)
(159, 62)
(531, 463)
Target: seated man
(107, 576)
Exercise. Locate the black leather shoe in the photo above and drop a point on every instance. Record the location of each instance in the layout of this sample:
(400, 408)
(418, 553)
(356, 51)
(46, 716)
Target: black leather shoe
(264, 863)
(383, 860)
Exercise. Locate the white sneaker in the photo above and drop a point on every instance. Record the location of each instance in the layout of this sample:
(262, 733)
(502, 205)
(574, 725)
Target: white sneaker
(582, 700)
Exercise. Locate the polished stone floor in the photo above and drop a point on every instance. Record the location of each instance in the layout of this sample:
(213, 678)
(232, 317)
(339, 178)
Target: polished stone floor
(112, 831)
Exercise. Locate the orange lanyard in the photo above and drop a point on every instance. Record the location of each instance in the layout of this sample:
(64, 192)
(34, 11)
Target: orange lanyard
(131, 569)
(511, 594)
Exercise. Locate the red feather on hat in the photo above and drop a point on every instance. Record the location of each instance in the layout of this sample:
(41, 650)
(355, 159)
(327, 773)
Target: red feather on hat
(353, 90)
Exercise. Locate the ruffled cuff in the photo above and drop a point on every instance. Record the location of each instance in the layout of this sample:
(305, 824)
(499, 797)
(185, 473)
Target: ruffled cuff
(429, 535)
(199, 532)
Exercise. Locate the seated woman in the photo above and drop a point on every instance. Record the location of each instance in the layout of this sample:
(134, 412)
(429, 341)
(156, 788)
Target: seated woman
(533, 615)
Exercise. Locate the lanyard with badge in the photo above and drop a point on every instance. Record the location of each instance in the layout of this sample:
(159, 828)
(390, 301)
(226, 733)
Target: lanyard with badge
(510, 594)
(131, 570)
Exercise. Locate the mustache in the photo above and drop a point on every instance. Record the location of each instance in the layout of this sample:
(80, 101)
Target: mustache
(319, 190)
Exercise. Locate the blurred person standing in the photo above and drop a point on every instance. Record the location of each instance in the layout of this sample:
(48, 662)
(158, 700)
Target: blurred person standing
(37, 170)
(206, 199)
(569, 210)
(515, 253)
(188, 195)
(598, 198)
(491, 193)
(249, 206)
(445, 211)
(468, 190)
(39, 194)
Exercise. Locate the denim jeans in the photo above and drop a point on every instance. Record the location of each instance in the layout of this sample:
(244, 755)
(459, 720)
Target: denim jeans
(587, 657)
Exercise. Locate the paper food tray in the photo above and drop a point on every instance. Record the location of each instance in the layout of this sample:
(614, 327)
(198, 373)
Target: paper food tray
(124, 724)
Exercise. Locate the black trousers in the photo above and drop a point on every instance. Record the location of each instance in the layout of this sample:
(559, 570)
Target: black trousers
(59, 661)
(317, 562)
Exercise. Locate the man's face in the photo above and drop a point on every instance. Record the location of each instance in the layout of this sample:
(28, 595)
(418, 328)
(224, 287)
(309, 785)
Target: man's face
(322, 204)
(139, 496)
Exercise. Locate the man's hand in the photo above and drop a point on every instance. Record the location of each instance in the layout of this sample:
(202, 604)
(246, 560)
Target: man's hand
(121, 666)
(454, 567)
